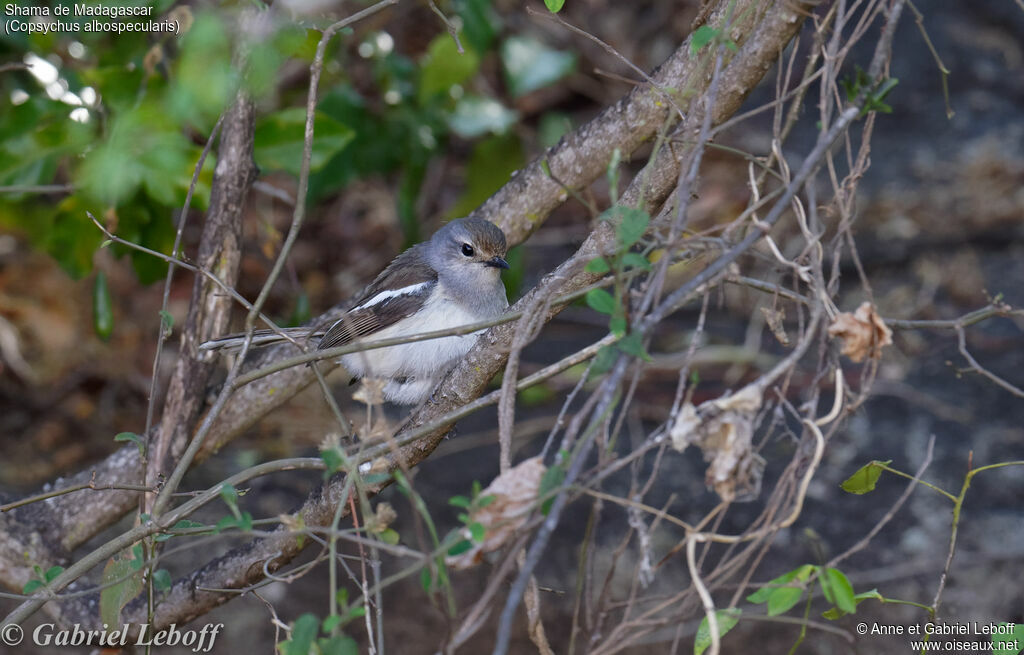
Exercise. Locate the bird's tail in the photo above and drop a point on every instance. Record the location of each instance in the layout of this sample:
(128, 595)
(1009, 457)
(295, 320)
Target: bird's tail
(260, 338)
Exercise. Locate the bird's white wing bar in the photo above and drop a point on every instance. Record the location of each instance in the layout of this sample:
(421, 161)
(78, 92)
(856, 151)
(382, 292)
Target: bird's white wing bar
(392, 293)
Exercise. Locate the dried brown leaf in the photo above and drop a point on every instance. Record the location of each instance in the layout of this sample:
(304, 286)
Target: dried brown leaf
(774, 318)
(723, 429)
(863, 332)
(515, 495)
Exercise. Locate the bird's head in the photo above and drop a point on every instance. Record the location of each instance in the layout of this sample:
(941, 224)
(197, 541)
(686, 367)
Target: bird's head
(471, 247)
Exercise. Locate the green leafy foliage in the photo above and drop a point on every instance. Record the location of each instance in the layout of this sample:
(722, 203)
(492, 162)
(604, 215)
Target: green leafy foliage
(860, 82)
(726, 619)
(42, 578)
(554, 6)
(865, 478)
(785, 591)
(480, 24)
(280, 139)
(443, 68)
(205, 80)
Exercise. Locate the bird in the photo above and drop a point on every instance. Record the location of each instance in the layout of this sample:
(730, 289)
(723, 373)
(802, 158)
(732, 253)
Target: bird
(450, 280)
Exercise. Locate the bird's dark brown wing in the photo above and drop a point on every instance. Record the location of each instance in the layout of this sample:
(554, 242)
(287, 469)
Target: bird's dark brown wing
(408, 269)
(365, 321)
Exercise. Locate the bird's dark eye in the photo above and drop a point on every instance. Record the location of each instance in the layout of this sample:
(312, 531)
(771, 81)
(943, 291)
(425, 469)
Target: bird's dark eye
(467, 250)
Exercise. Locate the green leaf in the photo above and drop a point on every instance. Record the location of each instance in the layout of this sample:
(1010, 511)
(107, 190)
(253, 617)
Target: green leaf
(612, 172)
(478, 531)
(782, 600)
(225, 523)
(330, 623)
(484, 501)
(279, 140)
(245, 522)
(301, 312)
(865, 478)
(159, 156)
(102, 308)
(633, 224)
(459, 501)
(354, 613)
(601, 301)
(1010, 643)
(633, 344)
(389, 536)
(138, 557)
(461, 546)
(52, 573)
(530, 65)
(635, 260)
(162, 579)
(134, 438)
(338, 645)
(604, 360)
(838, 590)
(229, 495)
(801, 574)
(332, 461)
(304, 632)
(204, 77)
(480, 23)
(597, 265)
(32, 585)
(121, 583)
(702, 37)
(443, 67)
(183, 524)
(426, 579)
(476, 115)
(554, 6)
(835, 612)
(551, 481)
(617, 325)
(727, 620)
(166, 322)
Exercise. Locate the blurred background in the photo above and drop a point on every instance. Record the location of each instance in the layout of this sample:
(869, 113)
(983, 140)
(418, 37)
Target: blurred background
(410, 133)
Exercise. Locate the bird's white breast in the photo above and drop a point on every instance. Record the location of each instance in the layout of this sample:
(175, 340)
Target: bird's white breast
(428, 359)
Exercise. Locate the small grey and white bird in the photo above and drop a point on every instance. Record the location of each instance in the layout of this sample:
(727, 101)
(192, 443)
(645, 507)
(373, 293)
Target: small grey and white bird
(453, 279)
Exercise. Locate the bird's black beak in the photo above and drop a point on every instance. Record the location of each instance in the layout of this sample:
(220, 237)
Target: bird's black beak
(496, 262)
